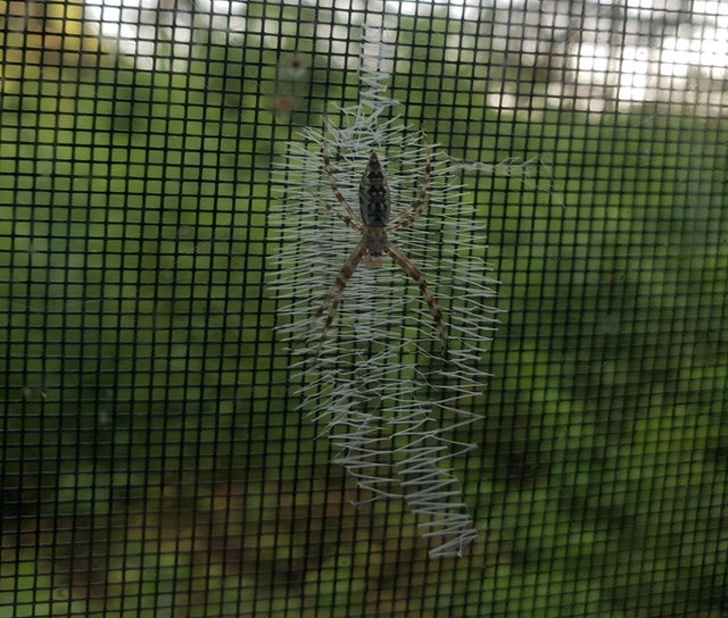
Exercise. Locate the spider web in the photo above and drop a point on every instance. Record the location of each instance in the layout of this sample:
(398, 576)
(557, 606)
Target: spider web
(391, 401)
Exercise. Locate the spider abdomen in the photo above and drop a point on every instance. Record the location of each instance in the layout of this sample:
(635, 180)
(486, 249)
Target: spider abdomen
(374, 199)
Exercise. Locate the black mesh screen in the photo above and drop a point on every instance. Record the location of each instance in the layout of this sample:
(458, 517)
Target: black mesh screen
(168, 216)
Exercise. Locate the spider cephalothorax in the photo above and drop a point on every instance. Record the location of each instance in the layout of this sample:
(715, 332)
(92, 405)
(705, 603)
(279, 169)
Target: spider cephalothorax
(375, 226)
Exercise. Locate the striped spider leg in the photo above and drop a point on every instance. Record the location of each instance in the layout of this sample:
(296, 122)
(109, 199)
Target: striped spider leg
(374, 225)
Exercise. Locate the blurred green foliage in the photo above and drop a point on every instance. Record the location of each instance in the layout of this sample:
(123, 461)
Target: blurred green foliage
(138, 343)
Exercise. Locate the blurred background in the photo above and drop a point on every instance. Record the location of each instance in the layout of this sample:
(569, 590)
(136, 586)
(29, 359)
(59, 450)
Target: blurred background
(154, 461)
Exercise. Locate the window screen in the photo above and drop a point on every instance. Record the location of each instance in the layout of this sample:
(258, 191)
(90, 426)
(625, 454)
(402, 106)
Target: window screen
(374, 309)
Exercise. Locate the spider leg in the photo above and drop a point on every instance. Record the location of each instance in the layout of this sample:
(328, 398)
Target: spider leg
(333, 298)
(355, 224)
(416, 274)
(332, 180)
(409, 214)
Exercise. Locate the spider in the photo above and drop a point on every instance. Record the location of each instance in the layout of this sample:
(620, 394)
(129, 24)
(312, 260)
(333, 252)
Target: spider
(374, 225)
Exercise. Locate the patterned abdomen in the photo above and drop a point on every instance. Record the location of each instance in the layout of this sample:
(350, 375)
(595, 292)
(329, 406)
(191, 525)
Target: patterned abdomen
(374, 200)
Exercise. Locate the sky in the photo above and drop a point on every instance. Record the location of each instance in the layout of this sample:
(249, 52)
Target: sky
(643, 69)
